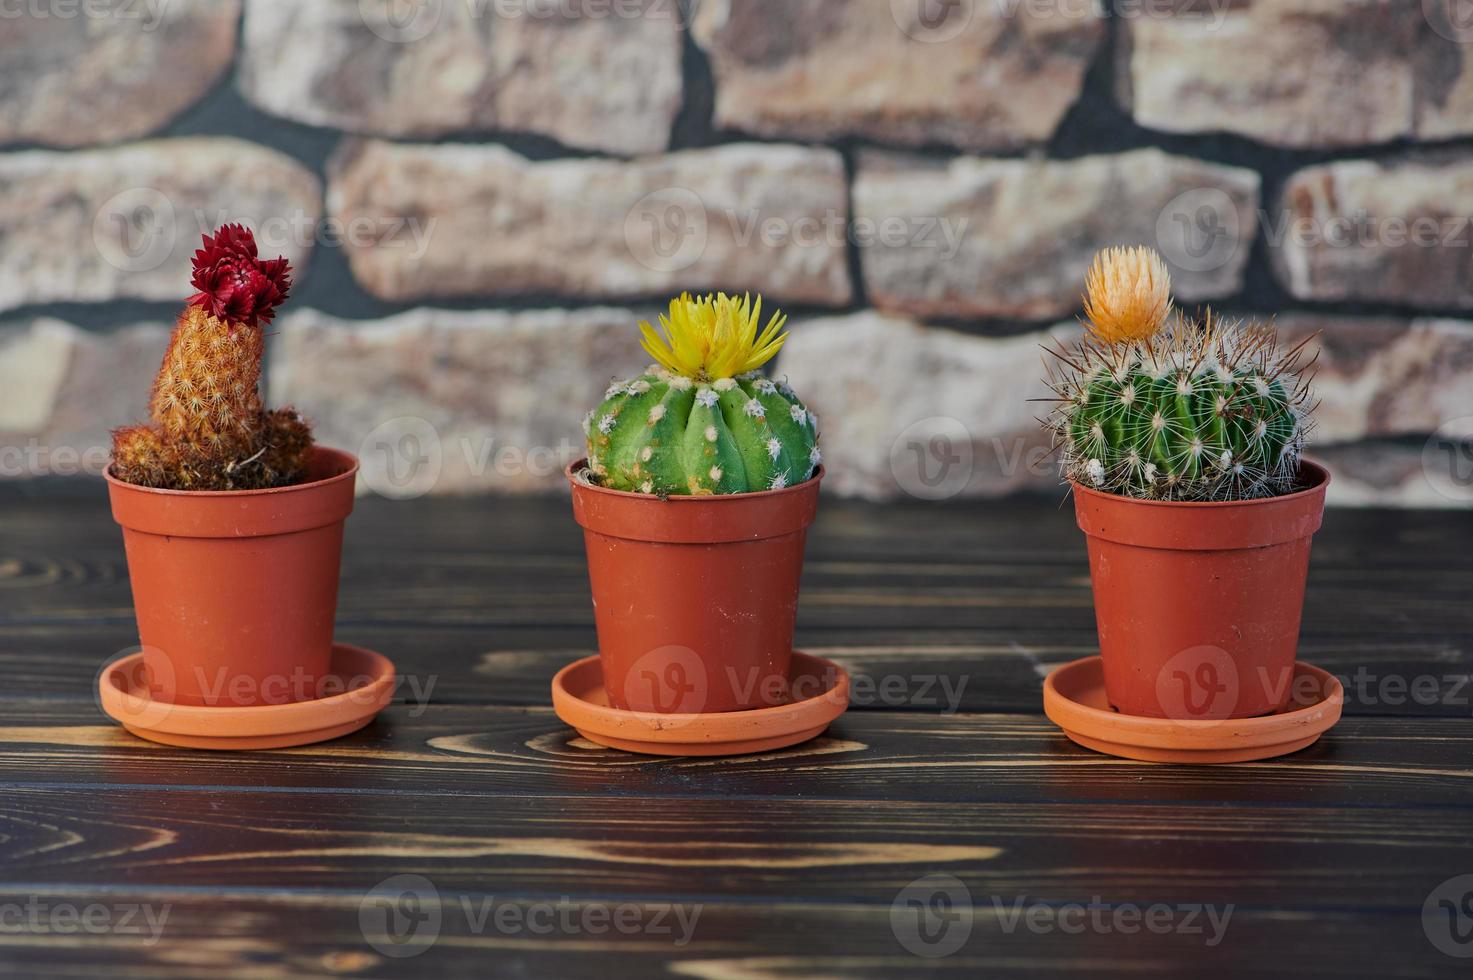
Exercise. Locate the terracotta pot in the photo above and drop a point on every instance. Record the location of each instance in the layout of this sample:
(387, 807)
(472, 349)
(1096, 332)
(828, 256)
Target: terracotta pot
(236, 590)
(1198, 604)
(694, 598)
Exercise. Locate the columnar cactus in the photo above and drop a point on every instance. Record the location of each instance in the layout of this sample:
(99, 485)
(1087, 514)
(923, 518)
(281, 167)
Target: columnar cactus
(703, 420)
(208, 429)
(1159, 406)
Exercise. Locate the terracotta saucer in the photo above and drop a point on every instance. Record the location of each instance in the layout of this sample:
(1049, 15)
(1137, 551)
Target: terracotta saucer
(579, 699)
(1074, 699)
(366, 679)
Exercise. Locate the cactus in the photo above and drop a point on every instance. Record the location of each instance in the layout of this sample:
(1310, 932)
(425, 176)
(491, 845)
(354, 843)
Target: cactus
(1161, 406)
(208, 429)
(702, 419)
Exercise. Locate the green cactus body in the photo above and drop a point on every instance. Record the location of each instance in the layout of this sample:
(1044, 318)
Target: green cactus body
(668, 434)
(1184, 431)
(1174, 408)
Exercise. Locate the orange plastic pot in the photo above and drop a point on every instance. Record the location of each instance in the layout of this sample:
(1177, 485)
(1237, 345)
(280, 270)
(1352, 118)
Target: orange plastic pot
(236, 590)
(1198, 604)
(695, 598)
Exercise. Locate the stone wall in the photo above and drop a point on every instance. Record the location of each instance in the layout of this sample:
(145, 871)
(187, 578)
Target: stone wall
(484, 196)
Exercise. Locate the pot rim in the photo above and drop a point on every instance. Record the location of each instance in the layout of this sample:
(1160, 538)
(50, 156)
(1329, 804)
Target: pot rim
(347, 474)
(573, 468)
(1319, 486)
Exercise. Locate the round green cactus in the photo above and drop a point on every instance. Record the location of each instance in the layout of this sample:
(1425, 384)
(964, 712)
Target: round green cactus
(1200, 433)
(687, 426)
(1176, 410)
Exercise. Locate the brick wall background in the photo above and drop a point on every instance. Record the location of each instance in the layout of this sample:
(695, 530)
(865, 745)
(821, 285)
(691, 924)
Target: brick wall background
(483, 196)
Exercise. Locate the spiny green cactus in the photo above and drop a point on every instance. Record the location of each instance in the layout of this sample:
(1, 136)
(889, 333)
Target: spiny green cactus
(688, 426)
(1176, 410)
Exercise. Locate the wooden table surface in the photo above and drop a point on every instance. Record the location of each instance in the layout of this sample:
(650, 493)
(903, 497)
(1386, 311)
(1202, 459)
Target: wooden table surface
(942, 824)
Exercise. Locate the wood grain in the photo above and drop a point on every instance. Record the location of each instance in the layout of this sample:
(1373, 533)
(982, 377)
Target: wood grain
(948, 617)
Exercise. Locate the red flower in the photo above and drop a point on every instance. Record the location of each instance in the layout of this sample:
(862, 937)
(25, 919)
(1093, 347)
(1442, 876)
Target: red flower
(234, 285)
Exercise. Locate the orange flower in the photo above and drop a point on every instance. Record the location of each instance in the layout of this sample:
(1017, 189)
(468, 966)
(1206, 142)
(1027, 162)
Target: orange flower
(1128, 294)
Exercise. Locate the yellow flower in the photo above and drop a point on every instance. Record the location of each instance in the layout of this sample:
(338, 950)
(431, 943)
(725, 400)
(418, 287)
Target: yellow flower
(713, 337)
(1128, 294)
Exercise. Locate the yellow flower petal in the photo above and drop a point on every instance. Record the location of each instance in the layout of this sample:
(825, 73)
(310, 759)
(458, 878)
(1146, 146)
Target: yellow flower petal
(713, 337)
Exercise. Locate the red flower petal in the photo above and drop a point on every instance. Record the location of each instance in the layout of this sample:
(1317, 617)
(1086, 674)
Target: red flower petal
(234, 285)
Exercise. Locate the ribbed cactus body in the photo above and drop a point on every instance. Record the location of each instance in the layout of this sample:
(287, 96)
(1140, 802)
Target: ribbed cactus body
(1189, 432)
(671, 435)
(1209, 411)
(1167, 407)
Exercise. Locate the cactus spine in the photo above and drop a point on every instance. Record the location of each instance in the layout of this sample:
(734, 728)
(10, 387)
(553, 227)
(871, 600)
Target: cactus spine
(1153, 405)
(208, 429)
(703, 420)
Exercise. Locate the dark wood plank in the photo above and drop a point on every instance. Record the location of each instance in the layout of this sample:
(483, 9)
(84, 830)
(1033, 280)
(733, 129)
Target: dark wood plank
(1365, 763)
(992, 565)
(796, 856)
(282, 934)
(708, 848)
(978, 670)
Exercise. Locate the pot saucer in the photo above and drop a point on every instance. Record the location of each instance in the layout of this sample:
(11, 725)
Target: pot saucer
(578, 698)
(365, 679)
(1074, 699)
